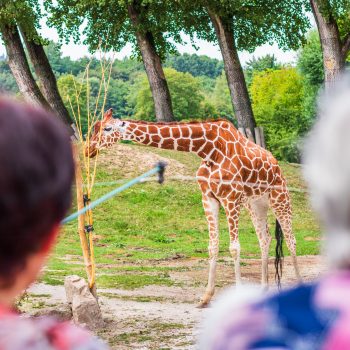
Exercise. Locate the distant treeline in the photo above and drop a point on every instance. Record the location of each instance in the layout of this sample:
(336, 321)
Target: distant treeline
(282, 96)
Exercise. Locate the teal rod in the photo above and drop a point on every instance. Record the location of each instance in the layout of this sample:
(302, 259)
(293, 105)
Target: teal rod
(158, 169)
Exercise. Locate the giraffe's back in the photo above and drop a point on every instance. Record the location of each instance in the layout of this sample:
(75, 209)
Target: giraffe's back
(243, 167)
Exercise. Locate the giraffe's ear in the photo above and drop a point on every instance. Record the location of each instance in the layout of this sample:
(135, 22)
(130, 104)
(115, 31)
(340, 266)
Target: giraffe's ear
(108, 114)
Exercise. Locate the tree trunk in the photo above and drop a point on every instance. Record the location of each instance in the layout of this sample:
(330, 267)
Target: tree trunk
(153, 67)
(332, 50)
(234, 72)
(19, 66)
(47, 79)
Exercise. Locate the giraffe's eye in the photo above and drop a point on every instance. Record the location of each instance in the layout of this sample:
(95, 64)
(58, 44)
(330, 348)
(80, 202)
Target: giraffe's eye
(107, 128)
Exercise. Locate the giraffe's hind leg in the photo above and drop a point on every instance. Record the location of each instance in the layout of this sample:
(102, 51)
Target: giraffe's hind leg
(258, 209)
(211, 208)
(281, 206)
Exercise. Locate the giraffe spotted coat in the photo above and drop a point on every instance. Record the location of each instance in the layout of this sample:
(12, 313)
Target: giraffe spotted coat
(234, 172)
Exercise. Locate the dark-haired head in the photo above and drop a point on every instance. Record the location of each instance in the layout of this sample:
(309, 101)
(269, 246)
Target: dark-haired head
(36, 172)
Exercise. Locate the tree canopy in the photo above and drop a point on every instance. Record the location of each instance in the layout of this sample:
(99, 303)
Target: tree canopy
(106, 24)
(260, 64)
(185, 91)
(196, 65)
(310, 61)
(255, 22)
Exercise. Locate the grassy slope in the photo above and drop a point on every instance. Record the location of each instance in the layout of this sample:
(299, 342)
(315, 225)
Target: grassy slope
(150, 222)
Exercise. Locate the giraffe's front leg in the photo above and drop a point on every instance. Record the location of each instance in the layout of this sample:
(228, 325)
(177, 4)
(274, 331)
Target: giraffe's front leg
(211, 208)
(232, 208)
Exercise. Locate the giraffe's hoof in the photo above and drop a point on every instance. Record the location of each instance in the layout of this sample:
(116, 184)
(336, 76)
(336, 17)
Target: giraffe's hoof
(203, 305)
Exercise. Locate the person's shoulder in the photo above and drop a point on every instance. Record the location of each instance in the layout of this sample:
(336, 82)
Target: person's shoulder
(301, 295)
(45, 333)
(232, 321)
(68, 336)
(247, 316)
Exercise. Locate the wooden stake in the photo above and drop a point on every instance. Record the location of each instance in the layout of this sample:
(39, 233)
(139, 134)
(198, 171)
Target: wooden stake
(242, 131)
(81, 220)
(249, 134)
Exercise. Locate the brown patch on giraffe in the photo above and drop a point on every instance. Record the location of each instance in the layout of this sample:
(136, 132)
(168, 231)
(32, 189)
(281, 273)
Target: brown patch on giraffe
(138, 132)
(146, 139)
(263, 173)
(185, 132)
(168, 144)
(165, 132)
(143, 128)
(155, 139)
(225, 190)
(152, 129)
(248, 191)
(253, 176)
(203, 172)
(270, 176)
(183, 145)
(197, 144)
(175, 132)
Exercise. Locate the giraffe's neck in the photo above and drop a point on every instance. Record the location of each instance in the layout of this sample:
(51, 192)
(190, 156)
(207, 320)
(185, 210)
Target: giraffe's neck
(197, 138)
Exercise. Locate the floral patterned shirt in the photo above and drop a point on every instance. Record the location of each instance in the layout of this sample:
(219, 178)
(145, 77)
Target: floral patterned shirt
(308, 317)
(20, 333)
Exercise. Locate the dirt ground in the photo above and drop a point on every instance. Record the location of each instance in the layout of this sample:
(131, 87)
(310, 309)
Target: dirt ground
(161, 317)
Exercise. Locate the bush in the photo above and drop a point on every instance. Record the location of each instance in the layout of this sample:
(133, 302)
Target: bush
(278, 105)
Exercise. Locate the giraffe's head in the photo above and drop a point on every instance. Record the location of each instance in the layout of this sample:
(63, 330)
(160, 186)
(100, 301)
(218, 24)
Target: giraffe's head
(105, 133)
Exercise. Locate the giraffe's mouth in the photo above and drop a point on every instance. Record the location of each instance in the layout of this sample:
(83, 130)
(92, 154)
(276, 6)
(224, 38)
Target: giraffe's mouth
(91, 152)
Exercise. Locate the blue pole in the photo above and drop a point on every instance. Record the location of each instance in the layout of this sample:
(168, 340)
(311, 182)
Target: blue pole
(157, 169)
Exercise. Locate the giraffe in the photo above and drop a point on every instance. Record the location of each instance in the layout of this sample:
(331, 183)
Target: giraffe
(234, 172)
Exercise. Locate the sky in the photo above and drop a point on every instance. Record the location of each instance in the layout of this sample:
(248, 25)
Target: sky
(204, 48)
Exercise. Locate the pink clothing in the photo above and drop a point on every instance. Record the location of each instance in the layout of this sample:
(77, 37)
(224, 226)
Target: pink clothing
(19, 333)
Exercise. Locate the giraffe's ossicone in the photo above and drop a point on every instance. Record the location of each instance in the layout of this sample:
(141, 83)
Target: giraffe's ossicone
(234, 172)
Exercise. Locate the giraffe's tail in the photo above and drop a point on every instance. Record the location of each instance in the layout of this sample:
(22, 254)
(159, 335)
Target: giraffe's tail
(279, 254)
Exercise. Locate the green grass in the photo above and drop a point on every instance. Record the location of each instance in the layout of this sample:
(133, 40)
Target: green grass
(152, 222)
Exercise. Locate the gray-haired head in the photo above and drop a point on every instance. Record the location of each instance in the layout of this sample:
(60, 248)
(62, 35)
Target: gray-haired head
(327, 170)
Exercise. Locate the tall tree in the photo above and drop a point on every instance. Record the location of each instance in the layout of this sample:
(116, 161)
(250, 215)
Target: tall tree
(25, 14)
(111, 24)
(333, 23)
(153, 64)
(19, 66)
(43, 71)
(244, 25)
(233, 69)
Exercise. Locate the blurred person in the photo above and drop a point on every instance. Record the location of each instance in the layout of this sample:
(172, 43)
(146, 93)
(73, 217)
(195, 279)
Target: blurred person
(36, 173)
(314, 315)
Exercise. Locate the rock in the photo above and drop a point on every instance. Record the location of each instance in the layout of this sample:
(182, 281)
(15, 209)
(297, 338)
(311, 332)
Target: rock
(86, 312)
(75, 285)
(85, 308)
(61, 312)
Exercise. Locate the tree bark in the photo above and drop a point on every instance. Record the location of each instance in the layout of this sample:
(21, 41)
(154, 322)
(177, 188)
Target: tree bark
(333, 50)
(234, 72)
(19, 66)
(153, 67)
(47, 79)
